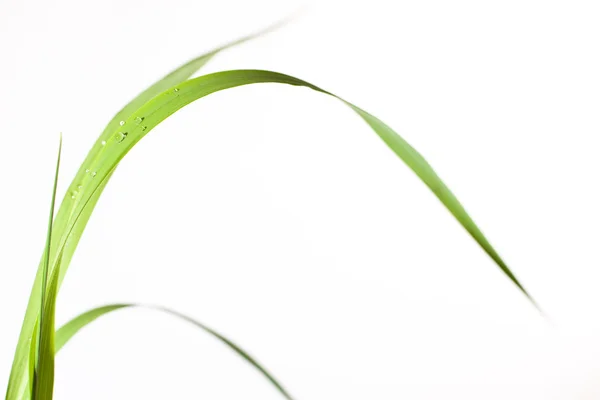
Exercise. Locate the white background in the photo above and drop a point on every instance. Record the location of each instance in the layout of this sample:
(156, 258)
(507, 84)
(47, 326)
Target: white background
(276, 216)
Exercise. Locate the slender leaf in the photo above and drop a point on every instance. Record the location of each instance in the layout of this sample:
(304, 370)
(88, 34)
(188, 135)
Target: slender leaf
(168, 102)
(33, 351)
(43, 372)
(43, 378)
(68, 330)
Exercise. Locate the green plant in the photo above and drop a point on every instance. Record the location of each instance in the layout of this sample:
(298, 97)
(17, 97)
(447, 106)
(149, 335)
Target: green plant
(32, 373)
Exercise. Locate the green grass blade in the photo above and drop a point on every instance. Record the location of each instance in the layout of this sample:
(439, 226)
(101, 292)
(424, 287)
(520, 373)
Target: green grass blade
(425, 172)
(168, 102)
(68, 330)
(43, 371)
(43, 378)
(33, 351)
(64, 218)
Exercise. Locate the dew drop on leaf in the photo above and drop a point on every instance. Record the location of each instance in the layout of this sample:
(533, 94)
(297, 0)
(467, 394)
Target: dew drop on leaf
(93, 174)
(144, 128)
(138, 120)
(87, 171)
(103, 143)
(176, 90)
(122, 123)
(120, 136)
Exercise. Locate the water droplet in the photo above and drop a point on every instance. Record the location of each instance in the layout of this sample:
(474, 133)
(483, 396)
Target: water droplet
(138, 120)
(144, 128)
(93, 174)
(122, 123)
(120, 136)
(103, 143)
(72, 196)
(80, 187)
(176, 90)
(87, 171)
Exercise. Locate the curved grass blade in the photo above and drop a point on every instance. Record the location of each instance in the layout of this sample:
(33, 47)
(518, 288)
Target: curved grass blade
(168, 102)
(68, 330)
(64, 217)
(43, 371)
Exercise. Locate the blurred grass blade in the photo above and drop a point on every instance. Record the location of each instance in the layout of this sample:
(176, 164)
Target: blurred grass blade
(64, 218)
(175, 77)
(179, 75)
(43, 371)
(68, 330)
